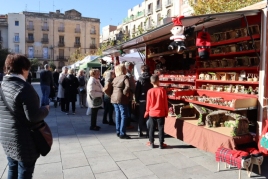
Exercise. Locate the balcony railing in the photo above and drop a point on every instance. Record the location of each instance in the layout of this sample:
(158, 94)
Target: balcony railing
(158, 7)
(93, 46)
(77, 44)
(149, 11)
(45, 28)
(77, 30)
(61, 29)
(62, 57)
(30, 40)
(16, 51)
(16, 39)
(39, 56)
(61, 44)
(169, 3)
(30, 27)
(93, 32)
(44, 40)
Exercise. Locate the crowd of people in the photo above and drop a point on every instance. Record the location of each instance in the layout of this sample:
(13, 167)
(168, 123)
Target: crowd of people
(117, 95)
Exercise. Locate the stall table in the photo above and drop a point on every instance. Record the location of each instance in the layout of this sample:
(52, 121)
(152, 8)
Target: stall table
(207, 139)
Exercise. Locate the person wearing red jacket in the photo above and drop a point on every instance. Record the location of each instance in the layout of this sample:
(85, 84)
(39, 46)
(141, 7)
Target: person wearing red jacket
(157, 110)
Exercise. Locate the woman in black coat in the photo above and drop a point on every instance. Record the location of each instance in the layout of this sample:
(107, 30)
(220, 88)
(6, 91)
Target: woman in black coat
(70, 85)
(24, 102)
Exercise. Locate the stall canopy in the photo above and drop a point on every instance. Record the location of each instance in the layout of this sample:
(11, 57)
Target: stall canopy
(91, 64)
(163, 32)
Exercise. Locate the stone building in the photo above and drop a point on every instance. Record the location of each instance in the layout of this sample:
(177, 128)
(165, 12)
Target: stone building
(56, 36)
(3, 32)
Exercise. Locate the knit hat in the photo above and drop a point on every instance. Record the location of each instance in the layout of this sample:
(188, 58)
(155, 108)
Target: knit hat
(177, 21)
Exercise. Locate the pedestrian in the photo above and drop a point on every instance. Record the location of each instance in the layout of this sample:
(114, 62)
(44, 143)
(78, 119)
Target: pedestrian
(82, 88)
(108, 106)
(142, 87)
(120, 100)
(56, 77)
(157, 110)
(70, 85)
(132, 84)
(94, 97)
(46, 82)
(15, 135)
(63, 75)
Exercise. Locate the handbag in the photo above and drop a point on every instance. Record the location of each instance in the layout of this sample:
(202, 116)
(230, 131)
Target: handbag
(96, 101)
(40, 132)
(108, 89)
(82, 89)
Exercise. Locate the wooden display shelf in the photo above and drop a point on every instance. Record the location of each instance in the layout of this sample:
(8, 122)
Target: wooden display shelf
(231, 82)
(230, 41)
(227, 93)
(162, 54)
(171, 82)
(229, 68)
(241, 101)
(234, 53)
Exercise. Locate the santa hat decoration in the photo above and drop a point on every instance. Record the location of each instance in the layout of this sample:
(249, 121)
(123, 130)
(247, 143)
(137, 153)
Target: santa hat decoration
(177, 21)
(203, 43)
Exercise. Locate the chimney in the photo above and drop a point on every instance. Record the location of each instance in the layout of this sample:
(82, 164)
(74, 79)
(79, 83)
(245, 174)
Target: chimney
(57, 11)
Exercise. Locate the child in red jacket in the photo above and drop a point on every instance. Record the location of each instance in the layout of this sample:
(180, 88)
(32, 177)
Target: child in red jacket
(157, 110)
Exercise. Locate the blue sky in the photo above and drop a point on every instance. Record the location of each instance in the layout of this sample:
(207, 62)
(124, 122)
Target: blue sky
(108, 11)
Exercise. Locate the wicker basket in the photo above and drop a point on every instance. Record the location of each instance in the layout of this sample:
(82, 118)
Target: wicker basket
(254, 29)
(217, 37)
(237, 33)
(230, 34)
(257, 44)
(243, 61)
(232, 48)
(223, 36)
(244, 32)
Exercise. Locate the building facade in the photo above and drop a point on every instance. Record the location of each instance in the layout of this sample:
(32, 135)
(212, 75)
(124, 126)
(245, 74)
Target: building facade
(16, 33)
(3, 32)
(55, 36)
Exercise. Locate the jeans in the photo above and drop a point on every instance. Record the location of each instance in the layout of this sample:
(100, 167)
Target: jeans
(45, 95)
(120, 118)
(20, 170)
(152, 122)
(94, 114)
(142, 120)
(82, 98)
(108, 109)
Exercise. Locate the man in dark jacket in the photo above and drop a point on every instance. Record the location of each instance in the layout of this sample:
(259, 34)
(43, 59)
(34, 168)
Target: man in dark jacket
(56, 77)
(142, 87)
(46, 81)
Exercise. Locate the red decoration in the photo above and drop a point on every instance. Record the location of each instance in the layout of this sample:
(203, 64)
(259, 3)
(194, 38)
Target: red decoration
(177, 21)
(203, 43)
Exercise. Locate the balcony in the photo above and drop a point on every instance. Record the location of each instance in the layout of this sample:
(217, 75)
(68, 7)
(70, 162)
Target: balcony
(38, 56)
(149, 11)
(30, 40)
(30, 27)
(18, 51)
(92, 31)
(169, 3)
(158, 7)
(61, 44)
(93, 46)
(44, 40)
(61, 29)
(77, 30)
(16, 39)
(62, 58)
(77, 44)
(45, 28)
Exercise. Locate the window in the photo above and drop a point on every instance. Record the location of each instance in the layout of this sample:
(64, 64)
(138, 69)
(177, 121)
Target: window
(45, 24)
(61, 53)
(169, 13)
(16, 37)
(16, 23)
(17, 49)
(30, 23)
(93, 41)
(61, 24)
(92, 30)
(45, 36)
(61, 39)
(77, 40)
(30, 36)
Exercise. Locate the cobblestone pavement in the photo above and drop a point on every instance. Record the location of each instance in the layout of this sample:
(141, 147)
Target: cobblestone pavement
(79, 153)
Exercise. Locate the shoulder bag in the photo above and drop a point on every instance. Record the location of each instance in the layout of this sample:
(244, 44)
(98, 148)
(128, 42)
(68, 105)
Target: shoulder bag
(40, 132)
(96, 101)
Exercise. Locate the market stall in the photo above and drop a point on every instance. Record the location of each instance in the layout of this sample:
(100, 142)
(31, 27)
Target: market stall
(216, 99)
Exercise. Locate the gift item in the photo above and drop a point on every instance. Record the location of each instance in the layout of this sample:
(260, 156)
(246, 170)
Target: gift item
(239, 124)
(203, 43)
(215, 117)
(201, 113)
(178, 36)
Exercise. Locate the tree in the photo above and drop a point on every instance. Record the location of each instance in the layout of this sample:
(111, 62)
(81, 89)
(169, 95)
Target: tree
(3, 56)
(35, 63)
(77, 56)
(52, 65)
(215, 6)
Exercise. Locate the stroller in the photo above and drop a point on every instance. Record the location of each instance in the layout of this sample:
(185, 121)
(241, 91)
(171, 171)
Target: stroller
(53, 95)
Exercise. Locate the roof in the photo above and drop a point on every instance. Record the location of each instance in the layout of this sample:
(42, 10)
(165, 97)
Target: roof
(163, 32)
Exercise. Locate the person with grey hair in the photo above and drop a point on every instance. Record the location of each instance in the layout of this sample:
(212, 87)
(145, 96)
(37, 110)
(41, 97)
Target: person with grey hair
(132, 84)
(46, 82)
(63, 75)
(70, 85)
